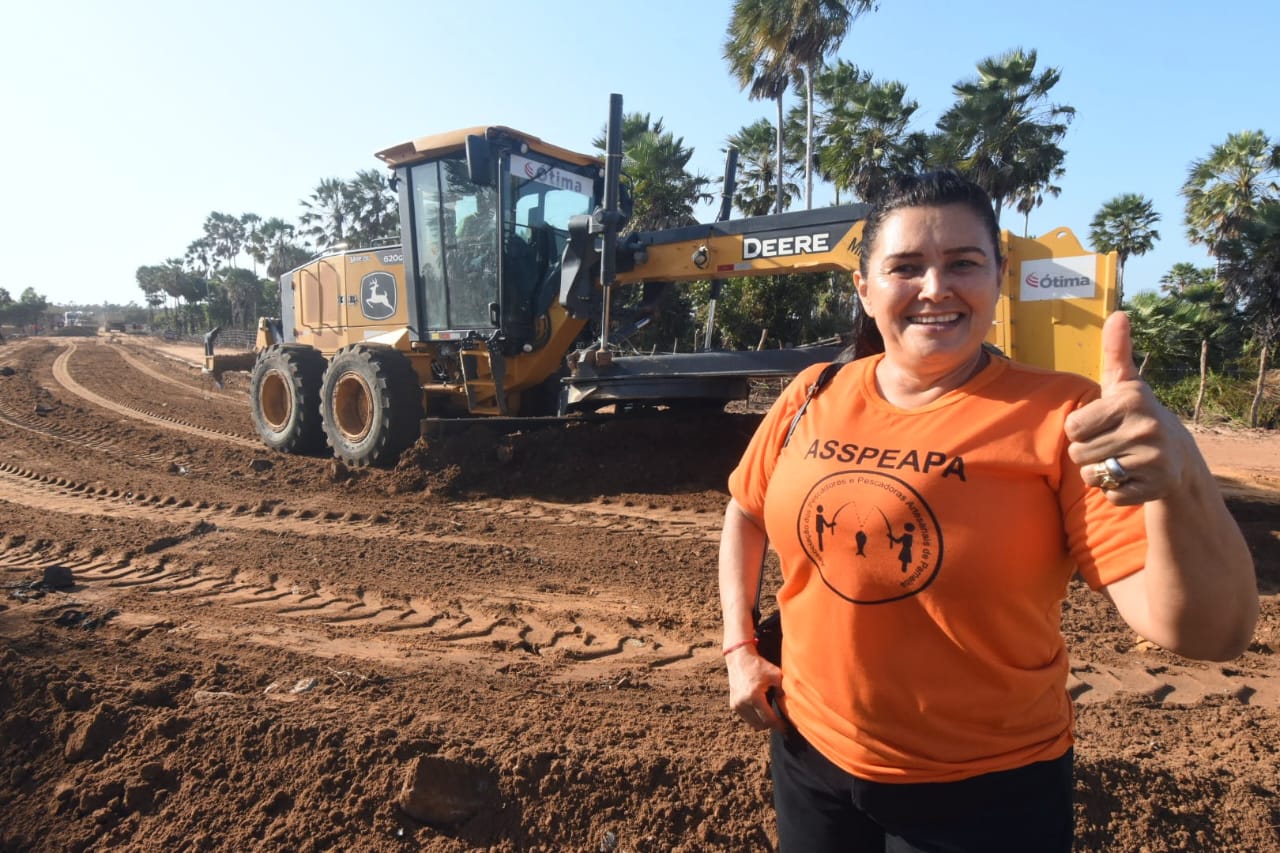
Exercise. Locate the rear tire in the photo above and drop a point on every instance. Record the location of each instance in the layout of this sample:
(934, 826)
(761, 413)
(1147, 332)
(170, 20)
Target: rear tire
(284, 392)
(371, 405)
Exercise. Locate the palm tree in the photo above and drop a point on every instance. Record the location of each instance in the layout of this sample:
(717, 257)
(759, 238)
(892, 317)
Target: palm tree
(242, 289)
(1031, 196)
(796, 37)
(372, 209)
(817, 29)
(757, 67)
(1252, 271)
(198, 258)
(172, 283)
(758, 173)
(1227, 187)
(282, 250)
(252, 224)
(150, 280)
(1183, 275)
(225, 235)
(1124, 225)
(1001, 130)
(1155, 330)
(1204, 310)
(664, 192)
(865, 138)
(325, 213)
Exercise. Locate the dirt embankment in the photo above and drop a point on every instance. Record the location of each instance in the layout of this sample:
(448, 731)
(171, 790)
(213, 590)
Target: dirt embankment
(510, 642)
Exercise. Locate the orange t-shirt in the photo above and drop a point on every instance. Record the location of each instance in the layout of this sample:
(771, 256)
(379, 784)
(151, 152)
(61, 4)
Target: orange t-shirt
(925, 556)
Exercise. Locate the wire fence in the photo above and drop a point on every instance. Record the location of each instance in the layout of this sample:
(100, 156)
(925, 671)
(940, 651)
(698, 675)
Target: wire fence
(228, 340)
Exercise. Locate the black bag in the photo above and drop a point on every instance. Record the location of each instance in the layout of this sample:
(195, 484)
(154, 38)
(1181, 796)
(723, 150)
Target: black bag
(769, 638)
(769, 629)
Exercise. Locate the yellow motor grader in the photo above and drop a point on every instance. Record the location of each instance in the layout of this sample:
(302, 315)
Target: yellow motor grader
(497, 302)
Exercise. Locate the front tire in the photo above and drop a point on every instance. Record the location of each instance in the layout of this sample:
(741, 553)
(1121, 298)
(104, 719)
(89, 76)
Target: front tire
(284, 391)
(371, 405)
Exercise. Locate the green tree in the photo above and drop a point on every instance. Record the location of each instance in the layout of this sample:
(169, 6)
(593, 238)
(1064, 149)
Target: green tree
(31, 306)
(225, 235)
(1031, 196)
(757, 66)
(664, 192)
(373, 213)
(1183, 275)
(804, 39)
(788, 309)
(173, 280)
(283, 252)
(758, 171)
(199, 257)
(325, 216)
(1252, 271)
(242, 290)
(1226, 188)
(1002, 131)
(1156, 330)
(1124, 225)
(864, 137)
(1204, 310)
(253, 245)
(151, 280)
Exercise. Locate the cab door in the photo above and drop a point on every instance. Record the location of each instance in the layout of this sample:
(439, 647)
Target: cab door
(454, 249)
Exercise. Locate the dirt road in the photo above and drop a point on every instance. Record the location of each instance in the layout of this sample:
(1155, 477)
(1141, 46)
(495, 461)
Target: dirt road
(207, 646)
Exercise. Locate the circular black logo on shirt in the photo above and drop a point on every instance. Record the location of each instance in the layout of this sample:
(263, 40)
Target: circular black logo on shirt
(871, 536)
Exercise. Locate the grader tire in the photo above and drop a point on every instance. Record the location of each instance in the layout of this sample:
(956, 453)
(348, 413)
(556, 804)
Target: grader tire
(371, 405)
(284, 394)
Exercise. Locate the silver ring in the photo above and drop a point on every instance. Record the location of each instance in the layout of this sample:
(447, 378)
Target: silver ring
(1110, 474)
(1116, 470)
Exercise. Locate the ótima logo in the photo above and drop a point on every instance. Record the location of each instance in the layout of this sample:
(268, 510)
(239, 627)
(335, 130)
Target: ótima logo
(1072, 277)
(1059, 282)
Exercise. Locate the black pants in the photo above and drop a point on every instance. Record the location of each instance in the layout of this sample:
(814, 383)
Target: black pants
(822, 808)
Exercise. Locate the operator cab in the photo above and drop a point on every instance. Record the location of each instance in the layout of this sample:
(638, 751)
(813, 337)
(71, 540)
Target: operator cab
(486, 214)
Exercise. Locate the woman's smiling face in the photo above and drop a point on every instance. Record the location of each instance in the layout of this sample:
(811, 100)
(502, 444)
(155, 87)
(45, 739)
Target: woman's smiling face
(932, 281)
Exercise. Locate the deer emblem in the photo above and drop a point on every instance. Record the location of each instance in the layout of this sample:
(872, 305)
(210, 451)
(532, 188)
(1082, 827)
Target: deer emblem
(379, 300)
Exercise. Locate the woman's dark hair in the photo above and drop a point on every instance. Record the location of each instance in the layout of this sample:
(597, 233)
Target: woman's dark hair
(925, 189)
(928, 189)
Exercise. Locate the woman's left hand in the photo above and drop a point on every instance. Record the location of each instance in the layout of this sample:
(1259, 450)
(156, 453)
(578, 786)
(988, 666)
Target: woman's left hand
(1126, 442)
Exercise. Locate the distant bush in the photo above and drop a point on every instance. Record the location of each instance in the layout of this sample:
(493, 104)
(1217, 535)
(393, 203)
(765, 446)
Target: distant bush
(1226, 399)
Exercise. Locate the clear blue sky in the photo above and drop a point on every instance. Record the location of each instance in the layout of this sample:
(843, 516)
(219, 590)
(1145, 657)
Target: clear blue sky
(127, 123)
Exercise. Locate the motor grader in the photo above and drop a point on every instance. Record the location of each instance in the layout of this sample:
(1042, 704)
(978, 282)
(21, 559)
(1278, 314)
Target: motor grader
(498, 302)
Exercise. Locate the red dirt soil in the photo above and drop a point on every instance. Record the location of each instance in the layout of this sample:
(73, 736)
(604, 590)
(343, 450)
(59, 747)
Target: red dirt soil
(510, 642)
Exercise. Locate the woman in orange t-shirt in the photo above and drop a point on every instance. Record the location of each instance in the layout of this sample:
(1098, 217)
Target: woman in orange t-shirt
(929, 509)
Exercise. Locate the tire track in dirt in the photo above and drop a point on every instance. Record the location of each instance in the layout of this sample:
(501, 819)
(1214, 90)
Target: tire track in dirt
(98, 440)
(160, 376)
(1091, 683)
(565, 633)
(62, 374)
(661, 522)
(60, 494)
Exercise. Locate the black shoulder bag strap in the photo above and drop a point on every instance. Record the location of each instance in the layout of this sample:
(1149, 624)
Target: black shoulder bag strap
(818, 384)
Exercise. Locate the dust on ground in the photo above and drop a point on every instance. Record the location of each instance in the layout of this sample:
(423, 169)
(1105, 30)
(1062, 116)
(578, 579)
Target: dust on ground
(508, 642)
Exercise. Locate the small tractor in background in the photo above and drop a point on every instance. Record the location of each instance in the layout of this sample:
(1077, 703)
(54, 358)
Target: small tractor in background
(497, 302)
